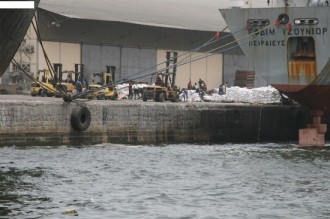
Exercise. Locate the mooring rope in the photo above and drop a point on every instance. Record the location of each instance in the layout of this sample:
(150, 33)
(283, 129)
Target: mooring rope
(202, 56)
(188, 53)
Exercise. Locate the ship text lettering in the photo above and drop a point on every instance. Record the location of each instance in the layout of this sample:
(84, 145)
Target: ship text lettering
(267, 43)
(305, 31)
(262, 32)
(301, 31)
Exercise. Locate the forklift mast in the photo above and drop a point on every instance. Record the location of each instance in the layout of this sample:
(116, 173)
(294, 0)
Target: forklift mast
(106, 78)
(111, 69)
(78, 71)
(58, 71)
(171, 60)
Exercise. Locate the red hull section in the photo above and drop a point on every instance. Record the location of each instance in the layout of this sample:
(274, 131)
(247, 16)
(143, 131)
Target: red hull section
(315, 97)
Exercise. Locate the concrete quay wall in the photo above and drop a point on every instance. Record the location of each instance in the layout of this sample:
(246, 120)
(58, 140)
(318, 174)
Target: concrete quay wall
(47, 121)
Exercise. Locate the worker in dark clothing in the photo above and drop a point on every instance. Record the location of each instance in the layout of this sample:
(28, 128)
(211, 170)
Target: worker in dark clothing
(184, 94)
(79, 86)
(159, 80)
(194, 86)
(202, 85)
(221, 90)
(189, 86)
(130, 90)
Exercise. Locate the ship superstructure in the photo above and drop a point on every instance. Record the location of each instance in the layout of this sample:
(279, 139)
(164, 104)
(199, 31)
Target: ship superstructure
(289, 47)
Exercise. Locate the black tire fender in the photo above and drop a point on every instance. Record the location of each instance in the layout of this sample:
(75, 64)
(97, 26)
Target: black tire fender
(80, 118)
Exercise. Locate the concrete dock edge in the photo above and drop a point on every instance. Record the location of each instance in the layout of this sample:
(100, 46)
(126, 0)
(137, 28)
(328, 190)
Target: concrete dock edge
(37, 122)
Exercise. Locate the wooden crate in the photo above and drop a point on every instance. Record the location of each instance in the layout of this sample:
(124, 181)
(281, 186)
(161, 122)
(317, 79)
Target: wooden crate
(244, 78)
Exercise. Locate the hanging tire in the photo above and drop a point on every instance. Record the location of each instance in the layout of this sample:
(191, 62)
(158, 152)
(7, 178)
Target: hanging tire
(80, 118)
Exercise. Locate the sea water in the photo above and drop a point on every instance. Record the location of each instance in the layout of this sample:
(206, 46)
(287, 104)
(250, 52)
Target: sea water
(169, 181)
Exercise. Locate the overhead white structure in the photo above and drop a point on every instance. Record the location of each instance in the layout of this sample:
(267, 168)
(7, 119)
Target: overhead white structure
(182, 14)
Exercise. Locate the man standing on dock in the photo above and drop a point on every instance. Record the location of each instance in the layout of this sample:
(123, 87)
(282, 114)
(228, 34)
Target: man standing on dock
(130, 90)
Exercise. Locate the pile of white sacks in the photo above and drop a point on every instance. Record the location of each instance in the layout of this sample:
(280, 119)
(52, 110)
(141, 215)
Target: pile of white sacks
(261, 95)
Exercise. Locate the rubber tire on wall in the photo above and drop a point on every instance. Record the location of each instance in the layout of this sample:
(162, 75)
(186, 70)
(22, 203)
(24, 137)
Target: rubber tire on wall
(80, 118)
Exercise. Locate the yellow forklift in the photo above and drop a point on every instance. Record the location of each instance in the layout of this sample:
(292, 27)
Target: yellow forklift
(69, 82)
(164, 88)
(103, 86)
(44, 85)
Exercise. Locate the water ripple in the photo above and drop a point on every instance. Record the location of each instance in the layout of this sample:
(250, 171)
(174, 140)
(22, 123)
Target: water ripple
(171, 181)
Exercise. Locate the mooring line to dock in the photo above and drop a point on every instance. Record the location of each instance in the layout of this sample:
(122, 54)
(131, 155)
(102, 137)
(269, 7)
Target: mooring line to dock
(188, 54)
